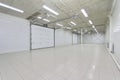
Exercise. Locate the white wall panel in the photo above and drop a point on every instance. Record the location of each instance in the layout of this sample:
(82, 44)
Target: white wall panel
(94, 38)
(107, 34)
(42, 37)
(68, 37)
(14, 34)
(59, 37)
(79, 38)
(115, 30)
(63, 37)
(75, 39)
(116, 39)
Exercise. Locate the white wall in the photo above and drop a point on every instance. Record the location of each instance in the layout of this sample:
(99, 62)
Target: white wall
(75, 38)
(63, 37)
(68, 37)
(94, 38)
(14, 34)
(42, 37)
(114, 28)
(107, 33)
(79, 38)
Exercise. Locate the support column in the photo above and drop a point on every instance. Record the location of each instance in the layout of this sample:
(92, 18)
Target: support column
(30, 36)
(81, 36)
(54, 37)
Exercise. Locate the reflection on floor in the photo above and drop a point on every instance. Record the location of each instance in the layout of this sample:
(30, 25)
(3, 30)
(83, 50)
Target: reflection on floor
(78, 62)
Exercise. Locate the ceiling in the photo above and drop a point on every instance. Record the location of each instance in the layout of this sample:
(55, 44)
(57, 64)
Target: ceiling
(69, 10)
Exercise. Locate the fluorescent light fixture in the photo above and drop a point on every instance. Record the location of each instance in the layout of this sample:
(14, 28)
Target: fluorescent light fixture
(73, 23)
(70, 24)
(39, 17)
(53, 16)
(59, 24)
(46, 20)
(90, 22)
(84, 12)
(93, 27)
(68, 28)
(96, 30)
(75, 30)
(50, 10)
(12, 8)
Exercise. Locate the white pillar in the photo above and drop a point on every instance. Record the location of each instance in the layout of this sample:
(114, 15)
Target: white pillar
(81, 36)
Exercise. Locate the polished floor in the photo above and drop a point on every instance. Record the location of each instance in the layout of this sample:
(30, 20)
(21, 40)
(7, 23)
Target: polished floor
(78, 62)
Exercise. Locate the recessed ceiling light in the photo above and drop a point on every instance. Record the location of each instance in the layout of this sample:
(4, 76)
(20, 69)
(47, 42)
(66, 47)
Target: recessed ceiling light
(73, 23)
(59, 24)
(12, 8)
(84, 12)
(46, 20)
(39, 17)
(90, 22)
(51, 10)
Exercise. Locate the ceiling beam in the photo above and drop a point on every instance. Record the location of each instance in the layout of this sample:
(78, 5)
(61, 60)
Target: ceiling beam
(59, 20)
(90, 26)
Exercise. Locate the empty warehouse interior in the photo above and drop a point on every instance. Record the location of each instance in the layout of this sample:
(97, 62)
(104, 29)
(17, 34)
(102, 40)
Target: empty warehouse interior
(59, 39)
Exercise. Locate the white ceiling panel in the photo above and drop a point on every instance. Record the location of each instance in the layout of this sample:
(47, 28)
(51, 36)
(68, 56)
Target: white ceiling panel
(69, 10)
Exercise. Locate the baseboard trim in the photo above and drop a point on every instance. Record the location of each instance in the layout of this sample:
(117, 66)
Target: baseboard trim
(114, 59)
(43, 48)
